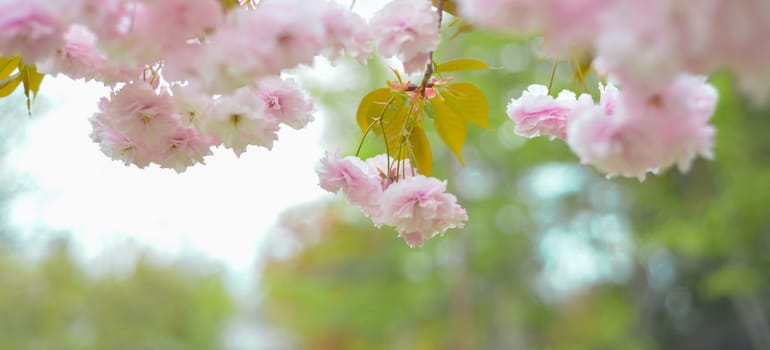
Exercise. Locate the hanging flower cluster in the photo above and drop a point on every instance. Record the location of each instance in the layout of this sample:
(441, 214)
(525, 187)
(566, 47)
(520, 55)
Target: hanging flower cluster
(191, 75)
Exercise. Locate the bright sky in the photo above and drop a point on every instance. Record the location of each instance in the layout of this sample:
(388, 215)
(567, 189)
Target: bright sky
(220, 209)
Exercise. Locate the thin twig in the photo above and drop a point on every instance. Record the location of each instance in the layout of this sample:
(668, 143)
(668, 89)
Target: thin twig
(429, 66)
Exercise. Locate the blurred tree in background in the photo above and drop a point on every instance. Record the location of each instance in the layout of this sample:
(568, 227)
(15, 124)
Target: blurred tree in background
(554, 257)
(55, 304)
(48, 300)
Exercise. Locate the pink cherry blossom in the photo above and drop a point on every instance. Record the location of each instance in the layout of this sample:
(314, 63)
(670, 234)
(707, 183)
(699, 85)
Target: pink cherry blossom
(137, 111)
(407, 29)
(239, 121)
(378, 165)
(184, 148)
(346, 31)
(193, 106)
(354, 178)
(566, 25)
(631, 133)
(29, 28)
(285, 102)
(536, 113)
(79, 56)
(421, 205)
(413, 239)
(118, 146)
(521, 16)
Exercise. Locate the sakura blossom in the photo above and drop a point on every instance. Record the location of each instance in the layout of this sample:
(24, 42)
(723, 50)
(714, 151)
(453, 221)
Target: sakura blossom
(239, 119)
(407, 29)
(536, 113)
(638, 133)
(346, 32)
(420, 208)
(354, 178)
(285, 102)
(30, 29)
(184, 148)
(139, 112)
(78, 57)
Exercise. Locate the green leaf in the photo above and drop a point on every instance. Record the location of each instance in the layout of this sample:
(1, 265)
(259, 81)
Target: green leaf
(31, 79)
(468, 101)
(8, 65)
(9, 84)
(461, 64)
(450, 126)
(421, 150)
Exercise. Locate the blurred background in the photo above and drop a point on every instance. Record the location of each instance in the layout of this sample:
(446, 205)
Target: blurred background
(249, 254)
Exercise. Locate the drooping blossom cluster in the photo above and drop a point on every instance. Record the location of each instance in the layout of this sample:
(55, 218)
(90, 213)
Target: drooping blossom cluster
(628, 133)
(189, 74)
(644, 43)
(417, 206)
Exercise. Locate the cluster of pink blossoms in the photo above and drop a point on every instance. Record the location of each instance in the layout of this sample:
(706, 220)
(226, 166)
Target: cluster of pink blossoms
(418, 206)
(627, 133)
(655, 50)
(187, 75)
(644, 43)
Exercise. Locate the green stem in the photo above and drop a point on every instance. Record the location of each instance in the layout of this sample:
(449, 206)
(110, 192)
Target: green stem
(369, 128)
(553, 73)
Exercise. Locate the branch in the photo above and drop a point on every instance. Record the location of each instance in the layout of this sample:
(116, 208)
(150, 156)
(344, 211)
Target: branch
(429, 67)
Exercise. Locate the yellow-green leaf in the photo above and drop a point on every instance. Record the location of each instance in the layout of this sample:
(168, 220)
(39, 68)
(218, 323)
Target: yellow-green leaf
(463, 28)
(371, 107)
(421, 150)
(461, 64)
(583, 67)
(8, 65)
(229, 4)
(450, 126)
(467, 101)
(449, 6)
(393, 110)
(9, 84)
(31, 79)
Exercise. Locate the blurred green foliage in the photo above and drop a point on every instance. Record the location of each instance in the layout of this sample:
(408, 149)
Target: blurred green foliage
(678, 262)
(54, 304)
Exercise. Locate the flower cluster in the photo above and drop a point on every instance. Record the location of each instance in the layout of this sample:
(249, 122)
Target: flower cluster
(628, 133)
(189, 74)
(391, 194)
(644, 43)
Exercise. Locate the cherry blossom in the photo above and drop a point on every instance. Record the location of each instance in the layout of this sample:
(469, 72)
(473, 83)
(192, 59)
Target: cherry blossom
(407, 29)
(239, 120)
(536, 113)
(184, 148)
(631, 134)
(420, 208)
(354, 178)
(285, 102)
(30, 29)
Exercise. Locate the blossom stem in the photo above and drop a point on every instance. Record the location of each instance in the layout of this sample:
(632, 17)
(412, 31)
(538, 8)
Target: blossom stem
(387, 148)
(429, 66)
(553, 73)
(369, 128)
